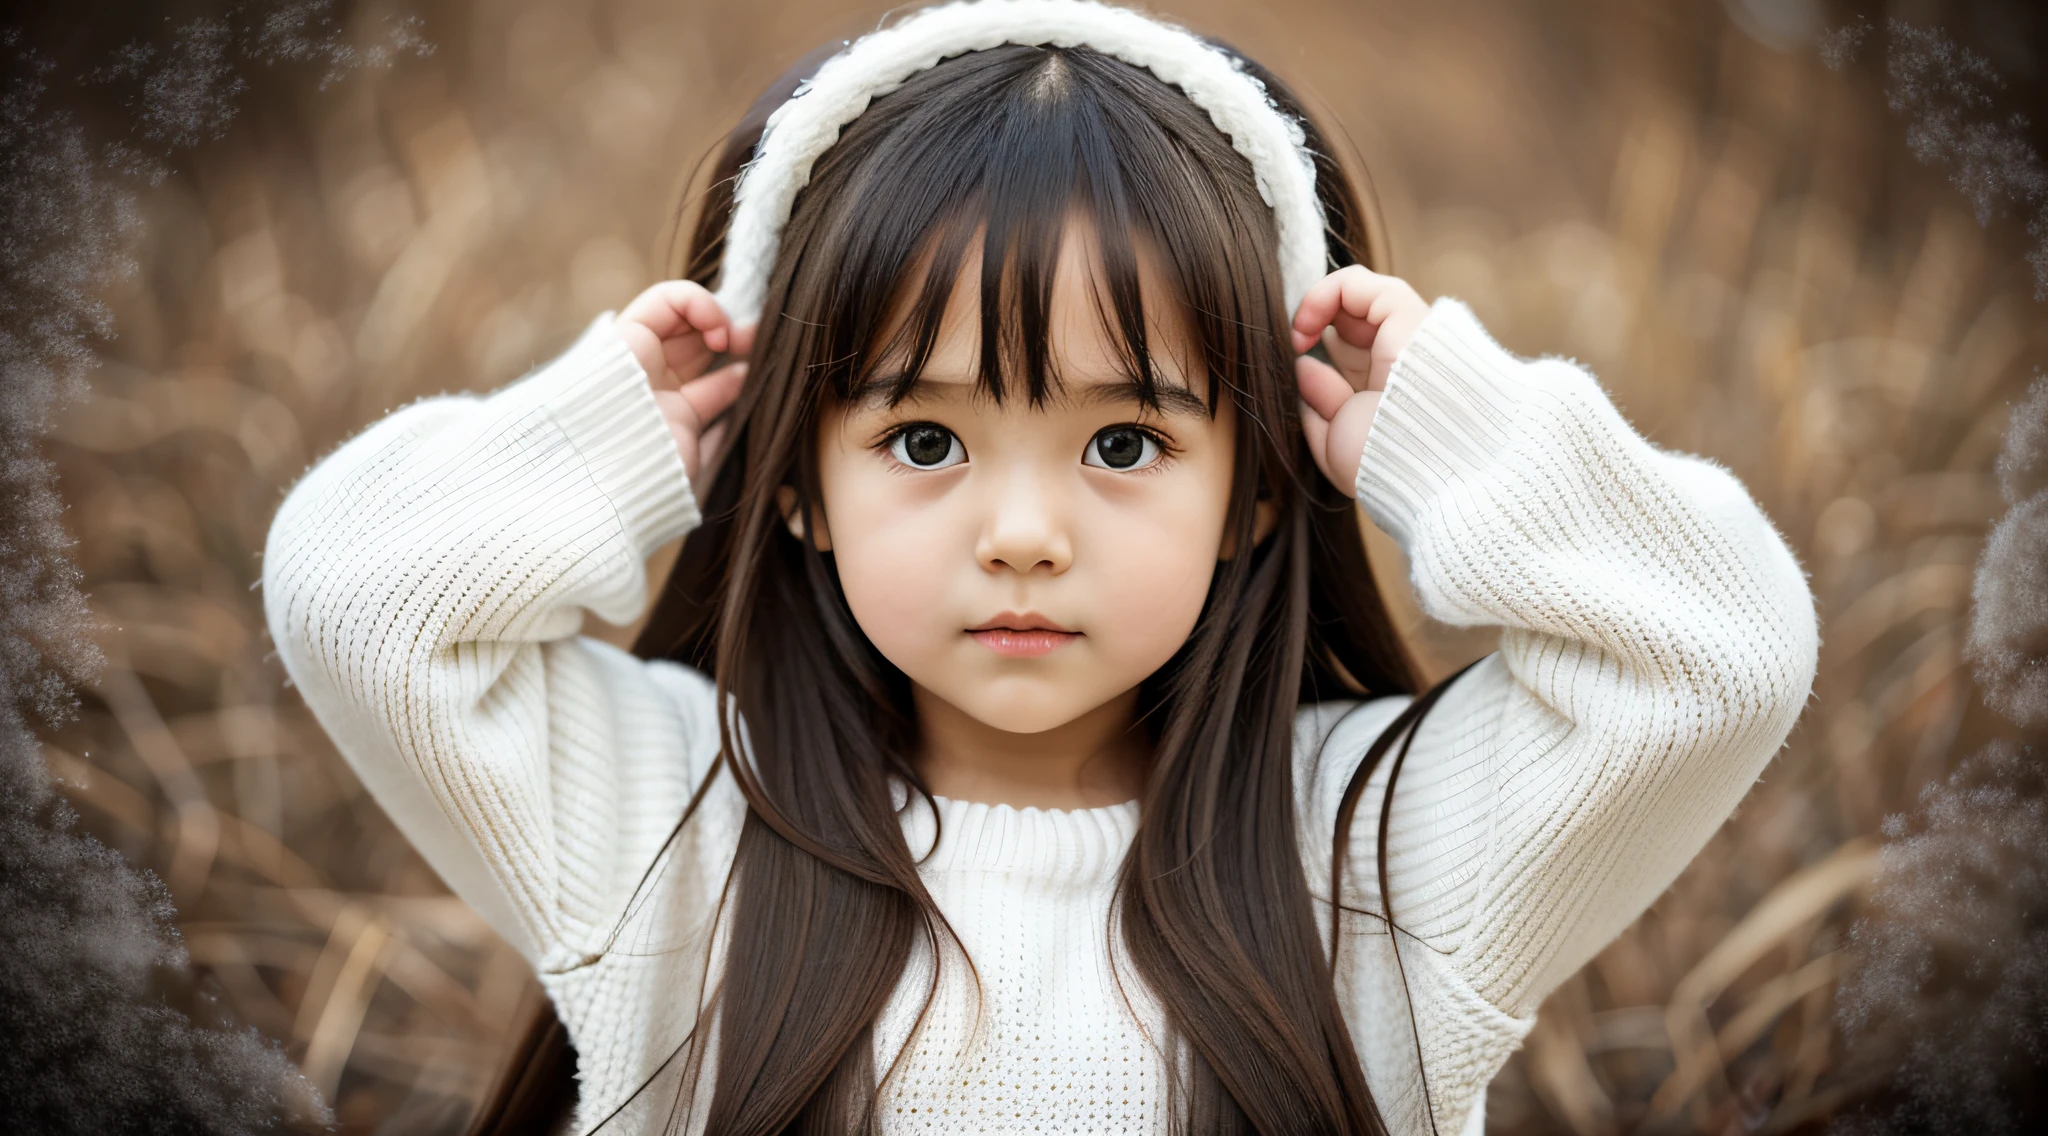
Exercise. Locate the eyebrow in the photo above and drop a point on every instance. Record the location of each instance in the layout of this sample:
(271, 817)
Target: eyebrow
(1170, 398)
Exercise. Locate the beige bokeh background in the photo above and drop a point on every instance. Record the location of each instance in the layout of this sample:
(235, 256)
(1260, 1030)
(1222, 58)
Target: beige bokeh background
(1729, 235)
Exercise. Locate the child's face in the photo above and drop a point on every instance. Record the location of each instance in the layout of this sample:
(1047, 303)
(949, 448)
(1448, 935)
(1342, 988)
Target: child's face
(1029, 564)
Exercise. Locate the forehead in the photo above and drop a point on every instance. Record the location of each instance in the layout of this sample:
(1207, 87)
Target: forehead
(1090, 356)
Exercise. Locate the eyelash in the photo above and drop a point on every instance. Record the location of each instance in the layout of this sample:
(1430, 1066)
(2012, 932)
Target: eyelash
(1167, 450)
(887, 445)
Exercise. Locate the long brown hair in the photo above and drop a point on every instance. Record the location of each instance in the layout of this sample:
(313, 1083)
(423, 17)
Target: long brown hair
(825, 905)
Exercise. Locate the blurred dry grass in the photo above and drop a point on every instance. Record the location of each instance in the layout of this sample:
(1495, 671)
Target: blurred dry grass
(1728, 236)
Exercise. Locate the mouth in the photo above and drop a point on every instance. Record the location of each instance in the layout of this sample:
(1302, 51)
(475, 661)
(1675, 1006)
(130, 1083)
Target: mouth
(1026, 635)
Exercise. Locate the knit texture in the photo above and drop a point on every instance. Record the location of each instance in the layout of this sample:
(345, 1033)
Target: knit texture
(425, 585)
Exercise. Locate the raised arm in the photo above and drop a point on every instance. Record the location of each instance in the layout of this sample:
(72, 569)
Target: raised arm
(425, 584)
(1658, 641)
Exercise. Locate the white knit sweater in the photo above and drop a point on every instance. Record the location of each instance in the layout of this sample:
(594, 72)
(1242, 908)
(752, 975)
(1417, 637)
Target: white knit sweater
(425, 585)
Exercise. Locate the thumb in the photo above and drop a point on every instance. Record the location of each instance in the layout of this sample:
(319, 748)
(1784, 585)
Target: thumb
(1348, 432)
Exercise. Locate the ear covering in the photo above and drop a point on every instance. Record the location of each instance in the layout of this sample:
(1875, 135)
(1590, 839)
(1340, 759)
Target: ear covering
(809, 123)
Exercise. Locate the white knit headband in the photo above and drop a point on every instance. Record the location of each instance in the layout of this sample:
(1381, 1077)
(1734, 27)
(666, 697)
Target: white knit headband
(809, 123)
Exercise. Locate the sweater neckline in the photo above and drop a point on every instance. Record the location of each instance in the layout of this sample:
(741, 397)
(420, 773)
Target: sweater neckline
(1079, 848)
(998, 806)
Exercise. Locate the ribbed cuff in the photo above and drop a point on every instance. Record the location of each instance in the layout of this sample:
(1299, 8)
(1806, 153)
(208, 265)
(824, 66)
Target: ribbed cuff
(1448, 412)
(599, 397)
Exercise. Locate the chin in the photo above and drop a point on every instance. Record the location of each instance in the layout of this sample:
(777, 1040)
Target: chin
(1021, 712)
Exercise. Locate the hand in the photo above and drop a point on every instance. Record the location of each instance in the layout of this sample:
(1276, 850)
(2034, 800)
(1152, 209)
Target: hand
(673, 329)
(1365, 319)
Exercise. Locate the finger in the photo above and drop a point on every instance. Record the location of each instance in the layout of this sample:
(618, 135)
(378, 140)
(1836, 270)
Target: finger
(708, 317)
(1352, 361)
(1316, 429)
(709, 396)
(655, 306)
(662, 306)
(686, 356)
(1363, 289)
(680, 307)
(689, 354)
(1399, 329)
(1351, 289)
(1313, 314)
(1348, 431)
(1322, 386)
(1355, 331)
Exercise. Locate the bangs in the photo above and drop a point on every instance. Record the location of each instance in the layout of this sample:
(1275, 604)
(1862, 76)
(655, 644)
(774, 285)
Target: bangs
(1024, 148)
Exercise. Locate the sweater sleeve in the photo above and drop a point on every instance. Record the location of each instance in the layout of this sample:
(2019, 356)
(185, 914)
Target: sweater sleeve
(424, 585)
(1657, 642)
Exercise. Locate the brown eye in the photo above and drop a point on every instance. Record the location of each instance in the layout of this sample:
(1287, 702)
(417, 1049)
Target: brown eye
(1121, 448)
(927, 446)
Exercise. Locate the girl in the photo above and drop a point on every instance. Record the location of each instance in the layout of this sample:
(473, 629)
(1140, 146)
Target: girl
(1019, 743)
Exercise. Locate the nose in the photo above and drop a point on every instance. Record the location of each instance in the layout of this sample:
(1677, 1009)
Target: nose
(1025, 530)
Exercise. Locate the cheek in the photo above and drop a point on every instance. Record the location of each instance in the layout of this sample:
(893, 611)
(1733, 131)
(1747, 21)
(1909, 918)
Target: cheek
(1150, 567)
(896, 554)
(890, 584)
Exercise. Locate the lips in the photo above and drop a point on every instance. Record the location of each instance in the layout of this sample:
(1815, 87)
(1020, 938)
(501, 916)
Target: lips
(1022, 635)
